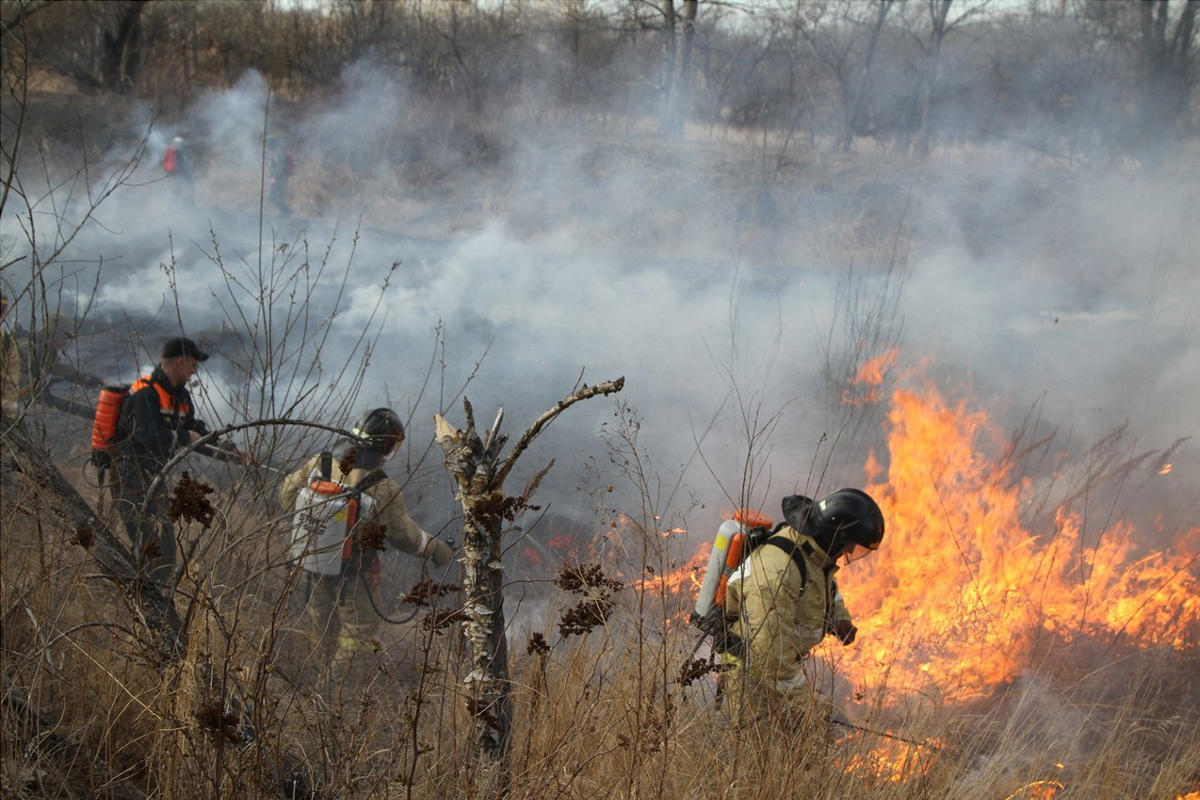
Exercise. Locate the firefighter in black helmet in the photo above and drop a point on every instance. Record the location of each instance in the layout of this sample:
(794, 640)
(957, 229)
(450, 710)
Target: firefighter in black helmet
(785, 603)
(343, 612)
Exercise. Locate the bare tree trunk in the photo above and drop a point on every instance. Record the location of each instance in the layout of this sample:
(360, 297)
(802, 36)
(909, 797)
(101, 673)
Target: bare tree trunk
(1166, 67)
(670, 46)
(852, 119)
(122, 52)
(679, 89)
(939, 10)
(476, 465)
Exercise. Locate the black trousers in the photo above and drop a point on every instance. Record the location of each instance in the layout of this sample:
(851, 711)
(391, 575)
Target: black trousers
(150, 532)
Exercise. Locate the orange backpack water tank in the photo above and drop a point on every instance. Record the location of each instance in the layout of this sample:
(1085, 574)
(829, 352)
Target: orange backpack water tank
(108, 410)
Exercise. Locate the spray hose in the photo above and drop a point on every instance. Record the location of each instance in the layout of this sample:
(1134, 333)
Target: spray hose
(384, 617)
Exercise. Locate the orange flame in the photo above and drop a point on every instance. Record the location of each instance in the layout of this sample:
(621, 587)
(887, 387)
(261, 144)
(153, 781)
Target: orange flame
(962, 591)
(955, 600)
(892, 760)
(685, 580)
(1038, 790)
(863, 388)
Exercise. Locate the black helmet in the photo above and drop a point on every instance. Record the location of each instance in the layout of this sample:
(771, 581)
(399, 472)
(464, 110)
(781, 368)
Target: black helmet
(849, 520)
(379, 428)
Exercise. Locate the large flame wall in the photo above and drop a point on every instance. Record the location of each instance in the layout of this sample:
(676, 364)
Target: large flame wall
(961, 592)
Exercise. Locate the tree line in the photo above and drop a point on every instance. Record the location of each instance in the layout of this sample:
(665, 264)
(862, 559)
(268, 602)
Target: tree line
(1058, 75)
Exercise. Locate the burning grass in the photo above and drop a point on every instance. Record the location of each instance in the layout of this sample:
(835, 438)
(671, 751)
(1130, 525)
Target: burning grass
(998, 658)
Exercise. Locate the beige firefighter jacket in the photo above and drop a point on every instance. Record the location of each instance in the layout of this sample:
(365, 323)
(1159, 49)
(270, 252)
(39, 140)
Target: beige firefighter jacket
(780, 617)
(400, 531)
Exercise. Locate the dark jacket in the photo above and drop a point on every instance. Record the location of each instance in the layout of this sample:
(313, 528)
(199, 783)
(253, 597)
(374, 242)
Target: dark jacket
(155, 420)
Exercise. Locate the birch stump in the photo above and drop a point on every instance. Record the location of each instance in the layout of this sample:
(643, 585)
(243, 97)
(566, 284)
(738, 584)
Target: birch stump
(480, 472)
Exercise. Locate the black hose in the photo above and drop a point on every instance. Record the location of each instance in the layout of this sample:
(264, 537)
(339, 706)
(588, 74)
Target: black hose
(385, 617)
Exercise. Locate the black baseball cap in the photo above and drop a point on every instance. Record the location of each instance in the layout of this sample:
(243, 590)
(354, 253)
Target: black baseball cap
(183, 346)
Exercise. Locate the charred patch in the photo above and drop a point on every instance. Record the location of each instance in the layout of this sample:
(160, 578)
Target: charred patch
(84, 536)
(190, 502)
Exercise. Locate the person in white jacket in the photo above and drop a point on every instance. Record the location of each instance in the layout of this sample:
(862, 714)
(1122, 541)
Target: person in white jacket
(342, 609)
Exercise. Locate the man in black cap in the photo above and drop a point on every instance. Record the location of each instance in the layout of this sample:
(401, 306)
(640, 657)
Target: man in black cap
(156, 419)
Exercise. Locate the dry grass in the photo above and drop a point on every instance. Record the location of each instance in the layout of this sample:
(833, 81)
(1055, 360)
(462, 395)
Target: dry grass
(601, 714)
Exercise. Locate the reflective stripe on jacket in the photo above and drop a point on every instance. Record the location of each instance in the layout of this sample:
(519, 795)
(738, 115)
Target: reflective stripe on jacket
(156, 418)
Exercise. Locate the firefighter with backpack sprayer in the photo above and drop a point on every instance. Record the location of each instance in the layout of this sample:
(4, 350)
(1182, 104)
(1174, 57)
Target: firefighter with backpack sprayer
(339, 499)
(136, 431)
(780, 599)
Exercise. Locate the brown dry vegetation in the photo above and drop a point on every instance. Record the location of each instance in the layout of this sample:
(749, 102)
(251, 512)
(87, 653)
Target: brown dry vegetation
(91, 710)
(600, 714)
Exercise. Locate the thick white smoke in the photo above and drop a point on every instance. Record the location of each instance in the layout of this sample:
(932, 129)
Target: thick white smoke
(570, 258)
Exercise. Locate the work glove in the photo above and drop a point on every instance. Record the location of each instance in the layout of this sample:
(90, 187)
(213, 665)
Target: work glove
(439, 553)
(845, 630)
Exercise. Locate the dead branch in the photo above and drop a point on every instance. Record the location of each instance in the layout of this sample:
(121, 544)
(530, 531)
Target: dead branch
(59, 500)
(606, 388)
(472, 461)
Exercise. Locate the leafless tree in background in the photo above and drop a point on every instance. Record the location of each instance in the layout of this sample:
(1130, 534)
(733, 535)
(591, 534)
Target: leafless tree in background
(681, 38)
(1167, 66)
(940, 25)
(856, 106)
(837, 70)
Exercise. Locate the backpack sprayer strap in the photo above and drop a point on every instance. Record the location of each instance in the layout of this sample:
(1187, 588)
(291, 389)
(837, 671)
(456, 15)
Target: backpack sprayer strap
(717, 625)
(796, 552)
(354, 558)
